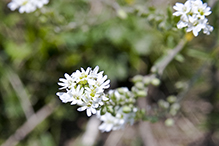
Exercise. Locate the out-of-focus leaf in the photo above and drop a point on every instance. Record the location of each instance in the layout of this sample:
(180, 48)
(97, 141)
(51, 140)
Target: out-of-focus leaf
(18, 51)
(198, 54)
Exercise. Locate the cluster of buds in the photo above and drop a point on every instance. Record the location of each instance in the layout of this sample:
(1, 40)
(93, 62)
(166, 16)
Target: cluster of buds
(141, 84)
(118, 111)
(27, 6)
(170, 106)
(84, 88)
(193, 16)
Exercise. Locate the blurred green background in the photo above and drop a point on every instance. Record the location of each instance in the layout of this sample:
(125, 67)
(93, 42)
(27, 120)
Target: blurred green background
(124, 38)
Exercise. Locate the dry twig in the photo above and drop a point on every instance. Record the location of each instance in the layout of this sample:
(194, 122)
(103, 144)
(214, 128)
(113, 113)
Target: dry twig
(21, 93)
(30, 124)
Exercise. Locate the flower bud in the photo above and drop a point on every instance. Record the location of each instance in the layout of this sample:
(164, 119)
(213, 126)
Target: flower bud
(175, 106)
(180, 85)
(139, 85)
(163, 104)
(154, 69)
(122, 14)
(169, 122)
(103, 110)
(146, 80)
(122, 90)
(137, 78)
(171, 99)
(134, 89)
(126, 109)
(141, 93)
(109, 109)
(155, 82)
(131, 100)
(173, 112)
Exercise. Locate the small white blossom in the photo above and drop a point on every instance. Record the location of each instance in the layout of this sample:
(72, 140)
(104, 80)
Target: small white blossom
(27, 6)
(116, 122)
(88, 105)
(193, 16)
(110, 123)
(66, 83)
(64, 97)
(200, 9)
(208, 29)
(77, 94)
(182, 9)
(40, 3)
(84, 88)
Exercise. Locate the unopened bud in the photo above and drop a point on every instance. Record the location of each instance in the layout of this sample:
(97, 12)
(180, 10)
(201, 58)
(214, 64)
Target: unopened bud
(139, 85)
(109, 109)
(146, 80)
(122, 90)
(103, 110)
(122, 14)
(163, 104)
(169, 122)
(154, 69)
(175, 106)
(171, 99)
(134, 89)
(155, 82)
(141, 93)
(137, 78)
(131, 100)
(180, 85)
(173, 112)
(126, 109)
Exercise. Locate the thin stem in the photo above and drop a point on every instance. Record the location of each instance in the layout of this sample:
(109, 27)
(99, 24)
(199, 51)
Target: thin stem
(144, 127)
(20, 92)
(31, 124)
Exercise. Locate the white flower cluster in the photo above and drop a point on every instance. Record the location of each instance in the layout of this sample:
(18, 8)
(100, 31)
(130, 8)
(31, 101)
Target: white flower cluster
(193, 16)
(123, 114)
(27, 6)
(116, 122)
(84, 88)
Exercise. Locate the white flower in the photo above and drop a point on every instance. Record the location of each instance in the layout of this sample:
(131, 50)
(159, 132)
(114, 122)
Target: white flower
(84, 88)
(182, 24)
(101, 82)
(27, 6)
(201, 9)
(182, 9)
(193, 16)
(82, 76)
(88, 104)
(196, 25)
(208, 29)
(94, 73)
(65, 97)
(77, 94)
(40, 3)
(66, 83)
(23, 5)
(116, 122)
(111, 123)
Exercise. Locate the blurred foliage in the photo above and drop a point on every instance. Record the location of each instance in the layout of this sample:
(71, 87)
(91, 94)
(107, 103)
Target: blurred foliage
(66, 35)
